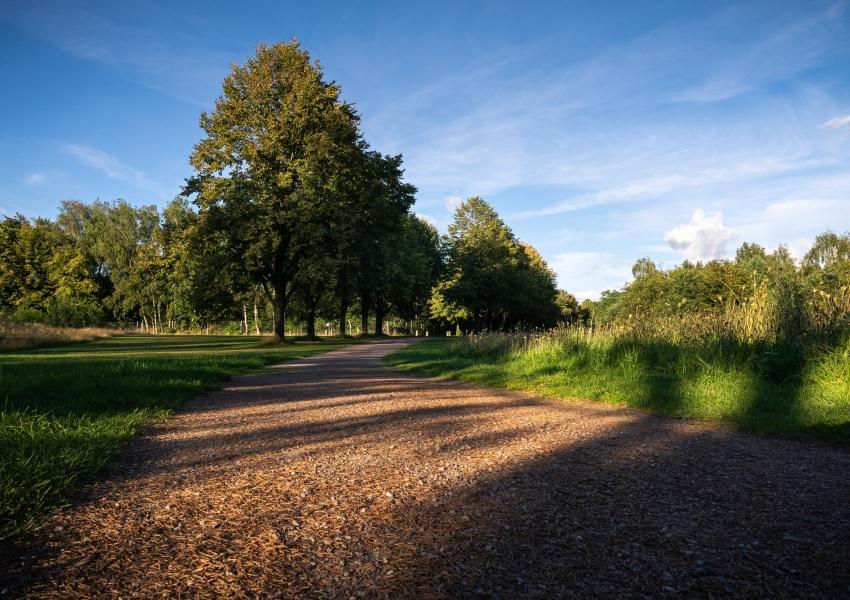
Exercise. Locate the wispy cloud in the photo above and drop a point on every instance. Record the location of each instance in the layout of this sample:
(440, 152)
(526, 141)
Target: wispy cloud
(452, 202)
(653, 187)
(34, 179)
(837, 122)
(791, 50)
(178, 66)
(110, 166)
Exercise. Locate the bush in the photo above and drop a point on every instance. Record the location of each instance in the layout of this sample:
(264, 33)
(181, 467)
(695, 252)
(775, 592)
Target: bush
(73, 312)
(27, 314)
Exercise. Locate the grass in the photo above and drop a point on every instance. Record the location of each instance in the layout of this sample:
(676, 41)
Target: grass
(67, 410)
(798, 390)
(33, 335)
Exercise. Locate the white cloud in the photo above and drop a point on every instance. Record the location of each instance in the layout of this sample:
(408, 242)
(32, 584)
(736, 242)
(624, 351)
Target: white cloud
(109, 165)
(35, 179)
(837, 122)
(704, 238)
(582, 295)
(597, 270)
(452, 202)
(429, 219)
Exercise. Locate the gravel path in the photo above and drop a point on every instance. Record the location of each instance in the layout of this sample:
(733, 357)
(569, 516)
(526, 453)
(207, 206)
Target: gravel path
(335, 477)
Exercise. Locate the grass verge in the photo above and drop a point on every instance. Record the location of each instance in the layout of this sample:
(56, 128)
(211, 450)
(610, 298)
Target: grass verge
(66, 410)
(798, 391)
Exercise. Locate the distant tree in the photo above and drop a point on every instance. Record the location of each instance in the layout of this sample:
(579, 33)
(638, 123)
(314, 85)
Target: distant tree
(568, 307)
(379, 213)
(416, 267)
(490, 280)
(607, 309)
(828, 249)
(272, 165)
(535, 301)
(644, 267)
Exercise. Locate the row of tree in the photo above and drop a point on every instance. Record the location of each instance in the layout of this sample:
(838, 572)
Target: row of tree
(172, 270)
(294, 212)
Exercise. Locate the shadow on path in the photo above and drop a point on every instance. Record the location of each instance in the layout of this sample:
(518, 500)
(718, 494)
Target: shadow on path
(334, 476)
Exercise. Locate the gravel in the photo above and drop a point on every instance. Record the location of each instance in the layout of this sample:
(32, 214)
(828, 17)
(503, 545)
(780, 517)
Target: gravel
(335, 477)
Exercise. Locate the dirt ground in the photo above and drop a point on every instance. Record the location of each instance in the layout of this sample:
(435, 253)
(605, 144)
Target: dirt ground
(336, 477)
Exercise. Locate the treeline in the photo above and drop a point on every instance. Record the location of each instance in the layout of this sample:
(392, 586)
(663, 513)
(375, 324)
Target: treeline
(758, 295)
(289, 214)
(114, 263)
(110, 262)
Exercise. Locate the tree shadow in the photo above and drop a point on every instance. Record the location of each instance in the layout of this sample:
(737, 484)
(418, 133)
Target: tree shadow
(394, 486)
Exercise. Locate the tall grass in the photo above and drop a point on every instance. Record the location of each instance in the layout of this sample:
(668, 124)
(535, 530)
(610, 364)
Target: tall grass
(19, 336)
(749, 366)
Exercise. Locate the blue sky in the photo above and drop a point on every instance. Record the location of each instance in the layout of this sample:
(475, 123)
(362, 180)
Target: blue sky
(602, 132)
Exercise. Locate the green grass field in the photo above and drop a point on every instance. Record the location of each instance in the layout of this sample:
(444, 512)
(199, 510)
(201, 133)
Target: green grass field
(66, 410)
(799, 391)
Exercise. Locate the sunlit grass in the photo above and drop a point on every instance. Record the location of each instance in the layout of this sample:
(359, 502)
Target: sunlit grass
(67, 410)
(799, 389)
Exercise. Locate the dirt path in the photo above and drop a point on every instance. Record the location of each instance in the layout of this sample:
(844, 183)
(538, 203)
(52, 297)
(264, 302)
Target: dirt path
(335, 477)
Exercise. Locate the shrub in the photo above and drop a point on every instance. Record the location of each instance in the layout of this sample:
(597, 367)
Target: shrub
(28, 314)
(73, 312)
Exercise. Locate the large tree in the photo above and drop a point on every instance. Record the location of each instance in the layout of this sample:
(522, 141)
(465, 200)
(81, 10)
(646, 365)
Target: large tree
(271, 170)
(380, 213)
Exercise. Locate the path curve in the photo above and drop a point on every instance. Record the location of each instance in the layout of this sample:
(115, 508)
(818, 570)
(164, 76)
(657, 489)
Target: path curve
(334, 476)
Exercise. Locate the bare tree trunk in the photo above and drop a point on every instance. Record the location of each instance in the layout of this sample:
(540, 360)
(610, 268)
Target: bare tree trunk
(364, 316)
(256, 319)
(311, 323)
(379, 317)
(279, 308)
(244, 320)
(343, 311)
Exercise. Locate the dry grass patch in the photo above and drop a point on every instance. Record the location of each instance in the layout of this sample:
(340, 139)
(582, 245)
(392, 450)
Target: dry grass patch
(33, 335)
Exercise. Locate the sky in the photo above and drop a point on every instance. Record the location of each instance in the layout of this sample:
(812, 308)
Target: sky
(601, 132)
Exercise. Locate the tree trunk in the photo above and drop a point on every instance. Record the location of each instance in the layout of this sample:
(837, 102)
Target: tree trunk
(244, 319)
(379, 317)
(311, 324)
(343, 311)
(279, 308)
(256, 319)
(364, 316)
